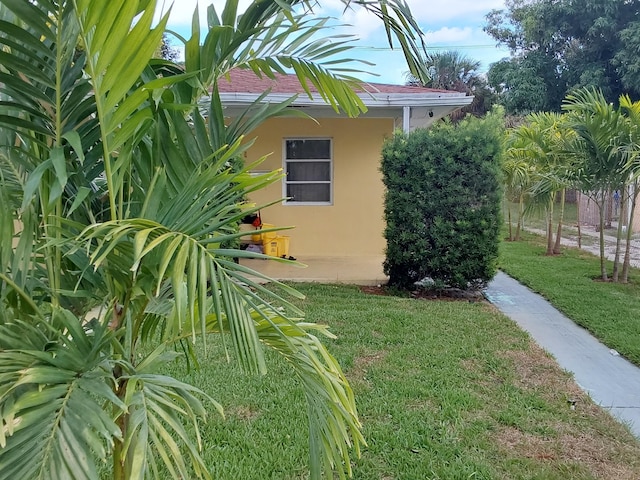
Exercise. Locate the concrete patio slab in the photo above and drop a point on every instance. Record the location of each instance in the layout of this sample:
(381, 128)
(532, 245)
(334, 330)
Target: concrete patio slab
(609, 379)
(352, 270)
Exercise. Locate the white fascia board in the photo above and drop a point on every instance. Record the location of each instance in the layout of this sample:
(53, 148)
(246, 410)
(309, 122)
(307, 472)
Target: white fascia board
(431, 99)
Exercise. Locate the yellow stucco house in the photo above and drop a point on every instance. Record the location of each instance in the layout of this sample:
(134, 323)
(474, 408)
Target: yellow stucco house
(333, 185)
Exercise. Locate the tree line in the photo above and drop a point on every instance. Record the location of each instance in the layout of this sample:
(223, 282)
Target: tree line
(558, 46)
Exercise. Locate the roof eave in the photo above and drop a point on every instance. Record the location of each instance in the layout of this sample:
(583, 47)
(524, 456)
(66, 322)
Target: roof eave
(430, 99)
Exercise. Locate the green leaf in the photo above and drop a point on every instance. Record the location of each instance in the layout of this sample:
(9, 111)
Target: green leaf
(33, 182)
(59, 163)
(80, 197)
(55, 410)
(73, 137)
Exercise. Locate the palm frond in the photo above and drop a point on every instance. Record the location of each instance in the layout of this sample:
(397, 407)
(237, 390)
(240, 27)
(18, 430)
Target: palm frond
(157, 406)
(56, 398)
(597, 126)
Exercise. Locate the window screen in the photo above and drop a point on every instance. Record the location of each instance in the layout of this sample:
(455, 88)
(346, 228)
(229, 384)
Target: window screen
(308, 171)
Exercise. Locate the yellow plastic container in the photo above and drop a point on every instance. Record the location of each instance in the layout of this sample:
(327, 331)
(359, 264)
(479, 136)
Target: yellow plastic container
(256, 237)
(270, 247)
(283, 245)
(268, 235)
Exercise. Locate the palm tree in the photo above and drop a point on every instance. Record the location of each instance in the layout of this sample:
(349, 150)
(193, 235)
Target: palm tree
(450, 70)
(538, 145)
(517, 172)
(552, 136)
(126, 194)
(630, 148)
(599, 165)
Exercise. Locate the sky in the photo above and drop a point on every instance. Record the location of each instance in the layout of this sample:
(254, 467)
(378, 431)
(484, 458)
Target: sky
(447, 24)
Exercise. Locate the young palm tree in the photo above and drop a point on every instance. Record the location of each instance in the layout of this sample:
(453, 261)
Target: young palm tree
(123, 195)
(517, 172)
(598, 164)
(630, 148)
(538, 144)
(548, 134)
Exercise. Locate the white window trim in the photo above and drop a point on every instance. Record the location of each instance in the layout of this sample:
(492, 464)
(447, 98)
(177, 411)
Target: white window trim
(284, 166)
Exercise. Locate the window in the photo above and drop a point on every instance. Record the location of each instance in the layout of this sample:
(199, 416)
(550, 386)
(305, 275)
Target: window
(307, 164)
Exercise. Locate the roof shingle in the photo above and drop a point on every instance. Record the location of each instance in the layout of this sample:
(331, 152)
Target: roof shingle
(246, 81)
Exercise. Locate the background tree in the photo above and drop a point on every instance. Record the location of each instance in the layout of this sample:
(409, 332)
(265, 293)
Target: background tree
(626, 59)
(520, 86)
(166, 50)
(557, 46)
(450, 70)
(442, 205)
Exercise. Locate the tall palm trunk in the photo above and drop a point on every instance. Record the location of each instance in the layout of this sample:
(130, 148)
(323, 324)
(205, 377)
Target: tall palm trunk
(119, 464)
(549, 235)
(506, 201)
(609, 215)
(520, 217)
(578, 201)
(550, 227)
(627, 248)
(619, 233)
(563, 196)
(603, 266)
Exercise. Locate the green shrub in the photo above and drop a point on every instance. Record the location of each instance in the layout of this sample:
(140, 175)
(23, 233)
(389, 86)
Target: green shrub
(442, 205)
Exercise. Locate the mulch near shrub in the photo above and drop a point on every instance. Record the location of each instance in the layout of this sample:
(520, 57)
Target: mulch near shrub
(452, 294)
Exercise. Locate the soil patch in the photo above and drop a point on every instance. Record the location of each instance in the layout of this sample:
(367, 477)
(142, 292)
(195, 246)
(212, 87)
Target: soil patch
(600, 456)
(361, 365)
(242, 412)
(373, 290)
(603, 452)
(535, 369)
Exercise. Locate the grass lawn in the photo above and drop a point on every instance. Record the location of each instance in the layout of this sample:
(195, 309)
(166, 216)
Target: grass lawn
(445, 390)
(611, 311)
(536, 219)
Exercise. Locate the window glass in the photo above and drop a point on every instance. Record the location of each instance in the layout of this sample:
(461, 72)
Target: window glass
(308, 171)
(308, 149)
(308, 192)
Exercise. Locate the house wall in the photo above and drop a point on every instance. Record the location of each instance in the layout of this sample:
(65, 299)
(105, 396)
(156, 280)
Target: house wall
(354, 224)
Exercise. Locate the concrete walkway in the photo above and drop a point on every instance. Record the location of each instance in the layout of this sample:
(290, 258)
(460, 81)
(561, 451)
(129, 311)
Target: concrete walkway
(591, 243)
(610, 380)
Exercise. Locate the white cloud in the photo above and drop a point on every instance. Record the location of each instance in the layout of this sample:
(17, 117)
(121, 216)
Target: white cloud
(449, 35)
(430, 14)
(357, 20)
(435, 12)
(182, 10)
(442, 20)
